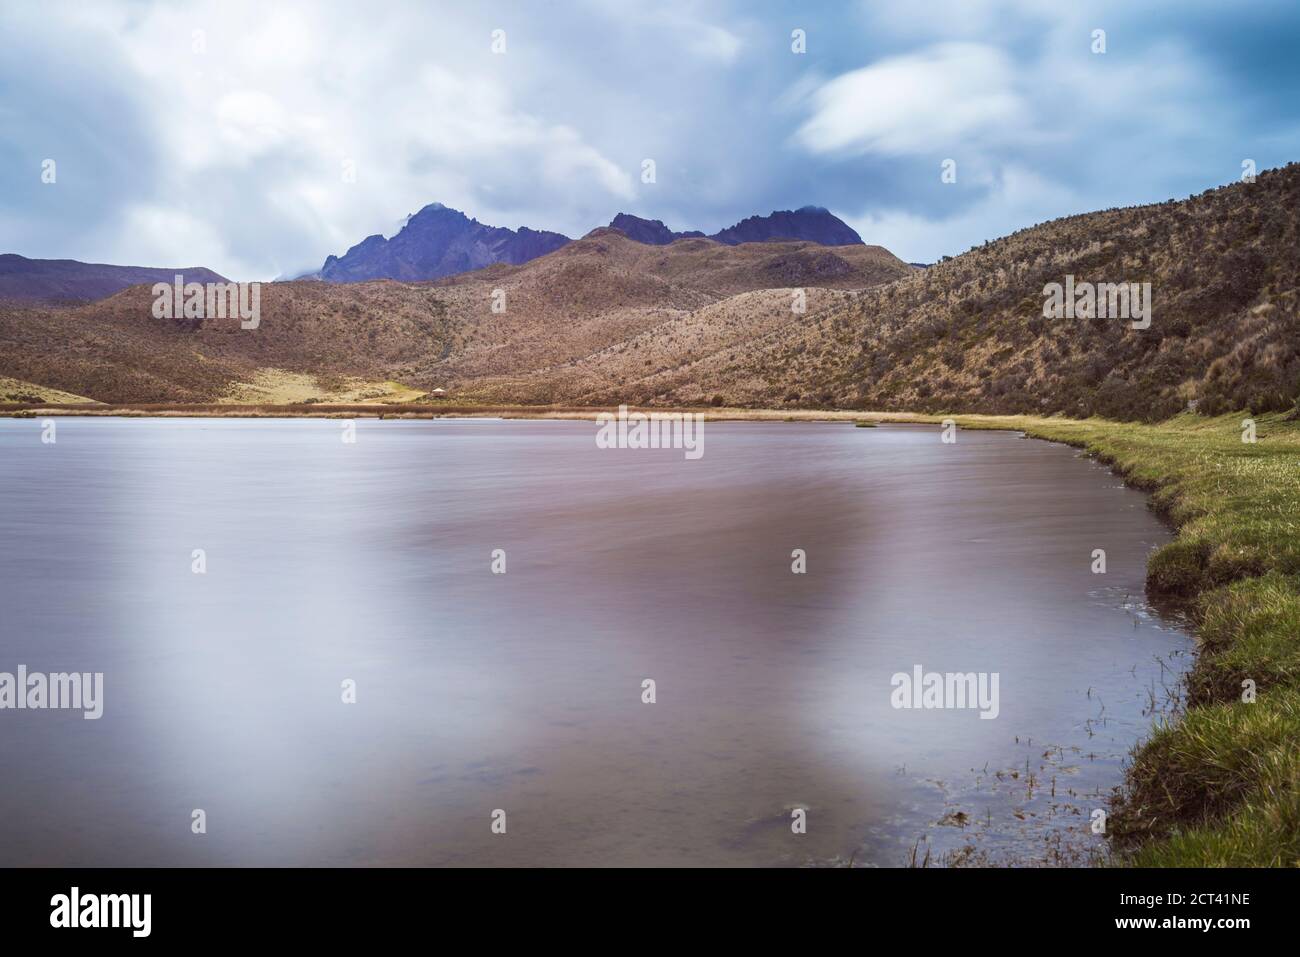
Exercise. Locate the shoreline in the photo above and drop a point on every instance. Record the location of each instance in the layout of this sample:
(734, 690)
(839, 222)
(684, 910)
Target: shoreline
(439, 411)
(1220, 786)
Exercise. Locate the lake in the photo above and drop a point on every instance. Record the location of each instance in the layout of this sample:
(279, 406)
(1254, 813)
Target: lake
(371, 564)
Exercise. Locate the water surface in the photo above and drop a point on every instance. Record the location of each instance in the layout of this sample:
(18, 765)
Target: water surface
(477, 691)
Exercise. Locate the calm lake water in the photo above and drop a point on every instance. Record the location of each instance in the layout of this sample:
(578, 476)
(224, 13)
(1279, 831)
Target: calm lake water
(522, 691)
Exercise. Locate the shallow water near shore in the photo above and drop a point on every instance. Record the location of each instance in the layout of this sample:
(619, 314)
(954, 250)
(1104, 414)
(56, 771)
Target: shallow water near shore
(372, 562)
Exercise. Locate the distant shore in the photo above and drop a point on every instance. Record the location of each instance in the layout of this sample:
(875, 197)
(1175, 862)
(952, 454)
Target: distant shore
(440, 410)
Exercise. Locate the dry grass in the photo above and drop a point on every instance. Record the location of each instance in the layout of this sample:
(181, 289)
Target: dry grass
(603, 296)
(278, 387)
(19, 392)
(969, 333)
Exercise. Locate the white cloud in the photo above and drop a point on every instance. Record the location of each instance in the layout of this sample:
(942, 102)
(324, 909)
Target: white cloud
(1042, 132)
(232, 158)
(918, 103)
(247, 135)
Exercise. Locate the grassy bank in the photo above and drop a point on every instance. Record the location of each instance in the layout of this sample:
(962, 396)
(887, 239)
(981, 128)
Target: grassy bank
(1220, 786)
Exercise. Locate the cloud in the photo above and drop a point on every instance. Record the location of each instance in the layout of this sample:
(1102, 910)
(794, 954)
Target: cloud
(231, 156)
(1038, 124)
(245, 122)
(948, 94)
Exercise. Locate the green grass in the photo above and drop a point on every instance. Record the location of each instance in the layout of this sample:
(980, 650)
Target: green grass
(1221, 785)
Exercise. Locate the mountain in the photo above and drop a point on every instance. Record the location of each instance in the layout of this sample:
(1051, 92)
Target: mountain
(438, 241)
(68, 280)
(811, 223)
(808, 224)
(652, 232)
(598, 307)
(606, 319)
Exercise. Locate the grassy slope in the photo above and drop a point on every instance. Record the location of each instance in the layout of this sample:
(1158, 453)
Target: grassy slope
(575, 321)
(16, 390)
(969, 333)
(281, 387)
(1221, 786)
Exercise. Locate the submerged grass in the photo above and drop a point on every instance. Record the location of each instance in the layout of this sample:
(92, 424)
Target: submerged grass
(1221, 785)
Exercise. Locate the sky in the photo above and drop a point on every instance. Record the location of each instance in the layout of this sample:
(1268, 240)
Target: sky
(256, 138)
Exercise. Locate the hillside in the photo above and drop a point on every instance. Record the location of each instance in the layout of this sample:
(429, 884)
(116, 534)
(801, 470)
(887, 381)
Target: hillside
(588, 297)
(66, 280)
(607, 319)
(969, 333)
(599, 303)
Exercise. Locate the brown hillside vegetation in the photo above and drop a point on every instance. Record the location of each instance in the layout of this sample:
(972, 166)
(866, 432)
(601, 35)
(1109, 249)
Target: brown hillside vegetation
(969, 333)
(606, 320)
(579, 301)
